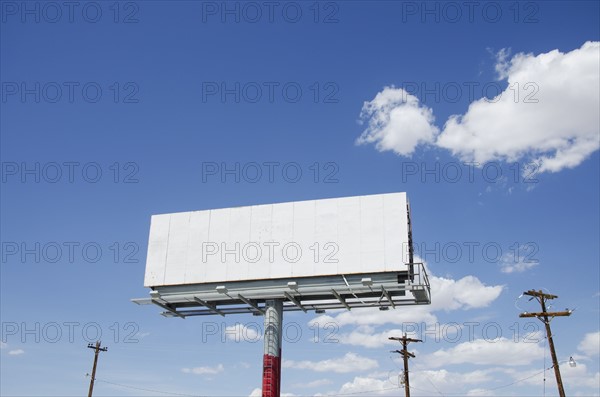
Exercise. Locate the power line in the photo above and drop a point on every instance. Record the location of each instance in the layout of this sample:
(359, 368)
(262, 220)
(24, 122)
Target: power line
(545, 354)
(324, 395)
(486, 389)
(195, 395)
(148, 390)
(515, 382)
(424, 372)
(359, 392)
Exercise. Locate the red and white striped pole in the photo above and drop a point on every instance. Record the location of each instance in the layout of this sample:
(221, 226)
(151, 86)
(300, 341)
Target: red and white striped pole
(271, 384)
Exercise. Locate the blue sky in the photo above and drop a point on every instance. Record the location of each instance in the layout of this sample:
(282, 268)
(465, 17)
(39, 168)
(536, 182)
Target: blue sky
(110, 112)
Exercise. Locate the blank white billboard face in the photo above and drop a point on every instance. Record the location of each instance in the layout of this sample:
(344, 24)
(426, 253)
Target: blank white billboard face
(362, 234)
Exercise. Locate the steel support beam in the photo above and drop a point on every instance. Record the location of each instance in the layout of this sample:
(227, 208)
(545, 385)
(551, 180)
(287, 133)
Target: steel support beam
(294, 301)
(250, 303)
(210, 306)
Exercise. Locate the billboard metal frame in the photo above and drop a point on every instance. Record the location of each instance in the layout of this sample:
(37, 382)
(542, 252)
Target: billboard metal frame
(383, 290)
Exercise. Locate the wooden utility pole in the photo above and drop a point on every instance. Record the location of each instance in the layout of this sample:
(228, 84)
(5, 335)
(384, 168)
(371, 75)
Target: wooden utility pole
(97, 350)
(405, 354)
(545, 317)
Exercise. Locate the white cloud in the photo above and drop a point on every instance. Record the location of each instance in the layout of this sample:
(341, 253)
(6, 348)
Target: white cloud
(349, 363)
(580, 377)
(487, 352)
(516, 267)
(204, 370)
(590, 344)
(423, 383)
(548, 114)
(367, 337)
(574, 378)
(467, 293)
(397, 122)
(480, 392)
(559, 128)
(455, 382)
(313, 384)
(16, 352)
(3, 345)
(362, 384)
(472, 377)
(502, 63)
(426, 381)
(479, 382)
(511, 263)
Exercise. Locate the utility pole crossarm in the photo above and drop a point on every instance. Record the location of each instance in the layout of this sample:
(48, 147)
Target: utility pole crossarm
(539, 294)
(404, 339)
(403, 352)
(549, 314)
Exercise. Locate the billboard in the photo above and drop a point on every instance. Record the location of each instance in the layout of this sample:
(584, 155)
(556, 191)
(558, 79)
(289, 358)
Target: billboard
(315, 255)
(314, 238)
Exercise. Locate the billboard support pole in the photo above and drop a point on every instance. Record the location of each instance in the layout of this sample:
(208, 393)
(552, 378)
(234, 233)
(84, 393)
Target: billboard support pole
(271, 382)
